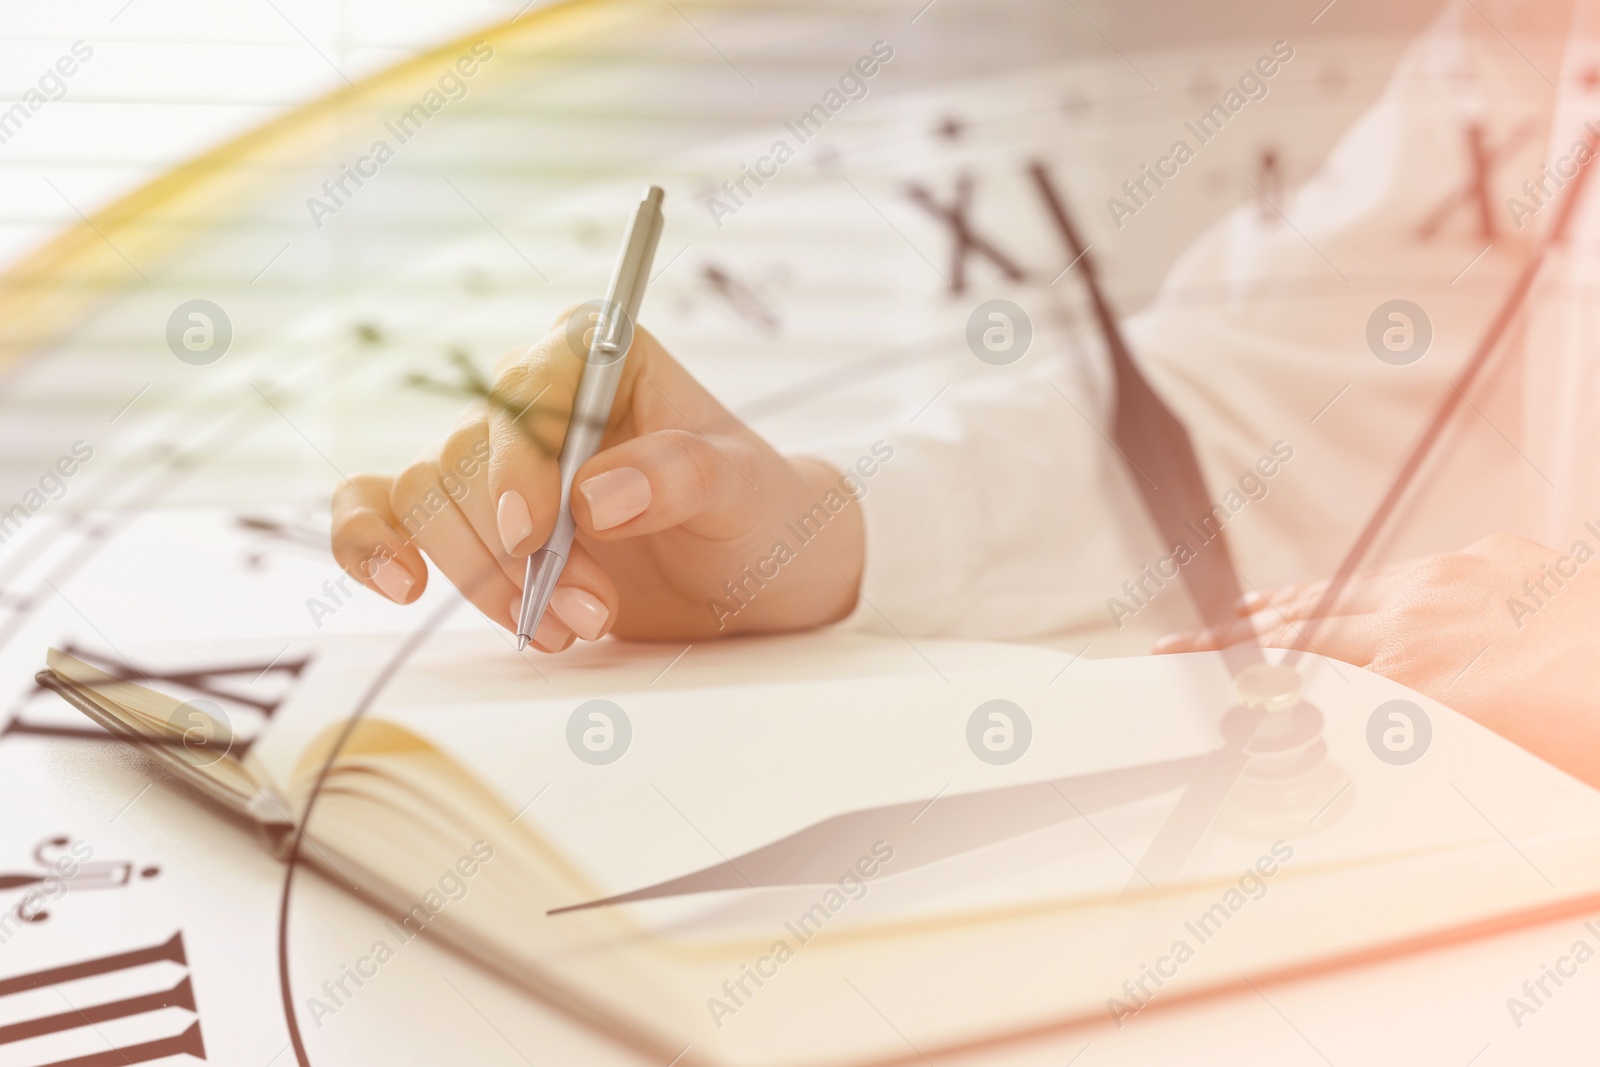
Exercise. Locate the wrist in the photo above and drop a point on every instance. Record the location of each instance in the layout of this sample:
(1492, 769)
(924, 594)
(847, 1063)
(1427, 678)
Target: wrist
(841, 542)
(809, 575)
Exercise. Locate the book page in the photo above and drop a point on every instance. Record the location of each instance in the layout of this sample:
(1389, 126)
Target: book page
(185, 730)
(477, 668)
(728, 750)
(1354, 854)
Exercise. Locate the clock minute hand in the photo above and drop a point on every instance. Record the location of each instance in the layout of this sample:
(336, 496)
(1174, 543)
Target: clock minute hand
(920, 831)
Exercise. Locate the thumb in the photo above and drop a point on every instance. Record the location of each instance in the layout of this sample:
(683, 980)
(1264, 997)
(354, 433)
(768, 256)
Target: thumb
(665, 479)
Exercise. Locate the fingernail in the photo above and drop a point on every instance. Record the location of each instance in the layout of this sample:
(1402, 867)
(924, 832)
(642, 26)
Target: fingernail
(512, 517)
(616, 496)
(393, 581)
(552, 634)
(1170, 643)
(1250, 603)
(583, 612)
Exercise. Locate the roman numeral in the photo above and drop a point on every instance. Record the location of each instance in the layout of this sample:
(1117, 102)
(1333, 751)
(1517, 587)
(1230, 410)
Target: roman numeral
(1476, 194)
(967, 242)
(1474, 198)
(189, 1042)
(184, 684)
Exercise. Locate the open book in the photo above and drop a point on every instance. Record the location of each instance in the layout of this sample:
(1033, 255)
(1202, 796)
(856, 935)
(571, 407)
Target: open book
(822, 850)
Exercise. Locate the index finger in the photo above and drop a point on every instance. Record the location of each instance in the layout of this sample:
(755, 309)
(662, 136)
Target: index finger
(528, 424)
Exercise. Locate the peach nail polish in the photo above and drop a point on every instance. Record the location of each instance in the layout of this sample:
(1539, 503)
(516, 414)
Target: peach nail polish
(392, 580)
(616, 496)
(552, 634)
(513, 519)
(583, 612)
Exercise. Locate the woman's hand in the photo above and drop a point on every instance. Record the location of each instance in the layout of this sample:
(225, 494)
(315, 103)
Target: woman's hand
(1507, 632)
(679, 515)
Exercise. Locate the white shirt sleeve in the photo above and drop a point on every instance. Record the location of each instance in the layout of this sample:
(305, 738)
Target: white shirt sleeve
(971, 521)
(1561, 375)
(1006, 512)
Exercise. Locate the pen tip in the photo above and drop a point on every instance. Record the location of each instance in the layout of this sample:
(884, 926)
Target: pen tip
(522, 642)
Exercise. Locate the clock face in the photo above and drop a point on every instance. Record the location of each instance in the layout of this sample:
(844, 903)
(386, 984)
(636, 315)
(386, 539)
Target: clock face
(855, 222)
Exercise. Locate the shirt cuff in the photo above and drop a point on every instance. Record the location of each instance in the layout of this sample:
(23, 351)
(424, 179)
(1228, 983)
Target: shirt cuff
(911, 578)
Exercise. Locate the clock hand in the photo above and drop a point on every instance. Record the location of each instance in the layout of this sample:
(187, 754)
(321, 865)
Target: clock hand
(1198, 807)
(1158, 449)
(1446, 410)
(920, 832)
(1166, 469)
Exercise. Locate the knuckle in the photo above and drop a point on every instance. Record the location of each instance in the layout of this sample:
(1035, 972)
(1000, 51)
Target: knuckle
(1451, 568)
(1500, 544)
(525, 401)
(413, 483)
(416, 498)
(517, 380)
(462, 458)
(461, 443)
(357, 492)
(1396, 660)
(698, 460)
(511, 357)
(356, 534)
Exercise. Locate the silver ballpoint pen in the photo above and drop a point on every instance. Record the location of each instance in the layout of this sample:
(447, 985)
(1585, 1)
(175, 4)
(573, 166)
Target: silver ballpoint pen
(591, 407)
